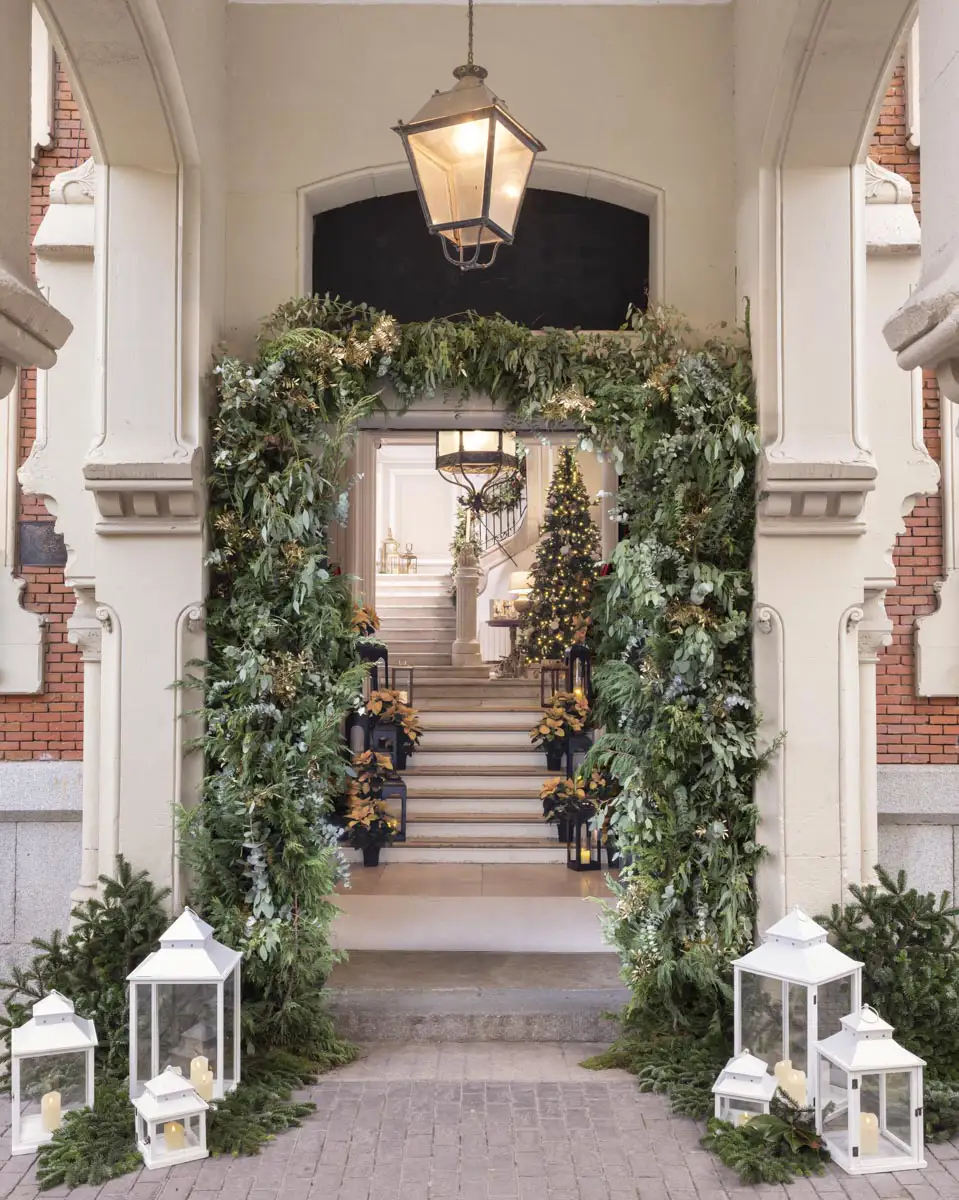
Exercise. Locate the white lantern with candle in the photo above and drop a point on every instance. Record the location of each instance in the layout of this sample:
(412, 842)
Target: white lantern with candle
(743, 1089)
(51, 1071)
(869, 1098)
(790, 991)
(170, 1121)
(184, 1008)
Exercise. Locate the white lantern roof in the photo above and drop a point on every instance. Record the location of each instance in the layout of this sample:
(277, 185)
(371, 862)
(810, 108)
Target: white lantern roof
(188, 954)
(167, 1096)
(797, 950)
(54, 1028)
(865, 1043)
(745, 1077)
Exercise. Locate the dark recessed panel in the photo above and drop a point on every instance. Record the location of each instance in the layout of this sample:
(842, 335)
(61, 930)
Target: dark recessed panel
(40, 545)
(576, 263)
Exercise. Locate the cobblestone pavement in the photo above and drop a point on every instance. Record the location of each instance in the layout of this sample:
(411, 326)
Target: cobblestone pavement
(483, 1121)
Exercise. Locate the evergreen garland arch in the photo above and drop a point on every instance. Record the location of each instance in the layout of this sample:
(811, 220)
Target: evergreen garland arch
(672, 629)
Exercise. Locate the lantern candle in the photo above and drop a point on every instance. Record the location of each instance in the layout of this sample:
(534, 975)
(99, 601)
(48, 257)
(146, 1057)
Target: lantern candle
(174, 1136)
(781, 1070)
(204, 1085)
(584, 854)
(869, 1133)
(198, 1066)
(794, 1085)
(50, 1114)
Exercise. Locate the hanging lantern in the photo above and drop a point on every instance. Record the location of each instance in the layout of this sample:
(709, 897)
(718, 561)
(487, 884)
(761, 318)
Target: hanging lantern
(744, 1089)
(51, 1071)
(869, 1099)
(789, 992)
(471, 162)
(390, 555)
(185, 1010)
(408, 561)
(170, 1121)
(583, 847)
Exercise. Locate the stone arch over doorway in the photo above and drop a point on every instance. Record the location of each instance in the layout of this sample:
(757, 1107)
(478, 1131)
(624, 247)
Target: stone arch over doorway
(340, 190)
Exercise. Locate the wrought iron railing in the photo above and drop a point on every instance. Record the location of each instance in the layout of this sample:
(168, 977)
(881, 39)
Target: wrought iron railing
(492, 529)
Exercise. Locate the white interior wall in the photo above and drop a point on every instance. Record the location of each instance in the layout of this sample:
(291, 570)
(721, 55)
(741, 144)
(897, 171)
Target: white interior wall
(416, 503)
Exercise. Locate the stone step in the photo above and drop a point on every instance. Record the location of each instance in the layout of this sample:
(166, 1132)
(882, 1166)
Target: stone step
(475, 828)
(396, 996)
(501, 718)
(428, 643)
(414, 625)
(438, 775)
(477, 757)
(486, 850)
(411, 608)
(425, 805)
(485, 739)
(420, 658)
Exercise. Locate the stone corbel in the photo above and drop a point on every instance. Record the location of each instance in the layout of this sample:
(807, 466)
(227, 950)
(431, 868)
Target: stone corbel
(147, 497)
(892, 226)
(810, 498)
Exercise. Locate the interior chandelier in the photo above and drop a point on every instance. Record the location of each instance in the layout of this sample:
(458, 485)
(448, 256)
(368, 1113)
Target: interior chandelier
(471, 162)
(475, 459)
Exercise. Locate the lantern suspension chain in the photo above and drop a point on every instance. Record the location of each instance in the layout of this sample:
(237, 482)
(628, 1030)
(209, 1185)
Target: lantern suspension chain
(469, 57)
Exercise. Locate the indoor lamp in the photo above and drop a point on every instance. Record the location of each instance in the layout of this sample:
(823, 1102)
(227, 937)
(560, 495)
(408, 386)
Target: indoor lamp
(474, 459)
(471, 162)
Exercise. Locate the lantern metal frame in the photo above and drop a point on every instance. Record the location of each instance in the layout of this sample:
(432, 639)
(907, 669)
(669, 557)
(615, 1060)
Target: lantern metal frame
(458, 464)
(409, 564)
(579, 675)
(469, 101)
(389, 555)
(864, 1049)
(189, 956)
(552, 678)
(395, 686)
(795, 953)
(584, 848)
(170, 1098)
(53, 1030)
(743, 1089)
(392, 790)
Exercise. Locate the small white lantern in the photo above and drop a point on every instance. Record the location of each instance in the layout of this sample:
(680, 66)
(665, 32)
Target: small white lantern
(51, 1069)
(789, 992)
(743, 1089)
(171, 1121)
(869, 1100)
(185, 1010)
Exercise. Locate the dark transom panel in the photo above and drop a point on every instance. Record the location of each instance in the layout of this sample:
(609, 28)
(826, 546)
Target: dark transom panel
(576, 263)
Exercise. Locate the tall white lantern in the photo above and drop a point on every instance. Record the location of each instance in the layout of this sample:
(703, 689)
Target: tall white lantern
(744, 1089)
(789, 992)
(185, 1010)
(869, 1099)
(171, 1121)
(51, 1071)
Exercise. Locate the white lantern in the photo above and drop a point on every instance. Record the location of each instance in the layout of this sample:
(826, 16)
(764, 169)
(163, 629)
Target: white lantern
(743, 1089)
(185, 1010)
(171, 1121)
(789, 992)
(869, 1099)
(51, 1069)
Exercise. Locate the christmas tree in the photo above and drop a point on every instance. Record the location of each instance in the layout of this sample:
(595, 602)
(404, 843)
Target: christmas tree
(564, 568)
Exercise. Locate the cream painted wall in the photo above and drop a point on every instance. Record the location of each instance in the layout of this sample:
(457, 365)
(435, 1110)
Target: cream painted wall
(644, 93)
(416, 503)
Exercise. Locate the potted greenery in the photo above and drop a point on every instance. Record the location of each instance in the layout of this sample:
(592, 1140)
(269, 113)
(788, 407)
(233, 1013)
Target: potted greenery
(564, 801)
(386, 708)
(565, 716)
(369, 825)
(365, 620)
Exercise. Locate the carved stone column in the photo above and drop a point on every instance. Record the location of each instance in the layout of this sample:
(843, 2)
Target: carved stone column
(361, 523)
(875, 632)
(86, 632)
(466, 649)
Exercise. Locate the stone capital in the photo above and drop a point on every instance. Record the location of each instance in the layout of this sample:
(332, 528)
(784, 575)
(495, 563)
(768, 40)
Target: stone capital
(813, 497)
(85, 627)
(141, 497)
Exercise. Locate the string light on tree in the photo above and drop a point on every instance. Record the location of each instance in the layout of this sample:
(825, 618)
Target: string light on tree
(564, 568)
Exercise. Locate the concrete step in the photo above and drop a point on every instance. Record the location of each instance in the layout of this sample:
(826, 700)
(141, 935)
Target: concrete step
(476, 757)
(390, 625)
(448, 720)
(485, 739)
(487, 850)
(475, 805)
(396, 996)
(475, 828)
(498, 779)
(413, 608)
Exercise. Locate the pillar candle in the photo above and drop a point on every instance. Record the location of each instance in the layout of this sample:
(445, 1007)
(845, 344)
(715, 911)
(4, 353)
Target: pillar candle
(204, 1085)
(794, 1085)
(781, 1070)
(868, 1133)
(197, 1066)
(50, 1115)
(173, 1136)
(584, 854)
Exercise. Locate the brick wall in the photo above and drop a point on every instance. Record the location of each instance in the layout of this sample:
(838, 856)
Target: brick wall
(912, 729)
(50, 725)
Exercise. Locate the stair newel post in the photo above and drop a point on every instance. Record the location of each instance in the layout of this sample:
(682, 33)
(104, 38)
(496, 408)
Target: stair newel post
(466, 648)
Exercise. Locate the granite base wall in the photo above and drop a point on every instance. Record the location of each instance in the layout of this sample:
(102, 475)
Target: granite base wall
(40, 845)
(919, 825)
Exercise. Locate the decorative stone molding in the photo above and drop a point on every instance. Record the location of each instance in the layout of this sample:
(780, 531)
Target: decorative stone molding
(42, 87)
(76, 186)
(892, 226)
(803, 498)
(912, 87)
(147, 498)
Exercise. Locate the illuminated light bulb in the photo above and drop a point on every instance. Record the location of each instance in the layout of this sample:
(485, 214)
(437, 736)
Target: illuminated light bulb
(471, 137)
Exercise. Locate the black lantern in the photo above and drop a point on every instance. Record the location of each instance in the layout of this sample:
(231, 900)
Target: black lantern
(387, 738)
(471, 162)
(578, 674)
(552, 676)
(584, 850)
(393, 793)
(402, 682)
(374, 652)
(577, 747)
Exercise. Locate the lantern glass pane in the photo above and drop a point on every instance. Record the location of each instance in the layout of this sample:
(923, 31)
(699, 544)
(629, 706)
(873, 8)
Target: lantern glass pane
(186, 1020)
(898, 1123)
(193, 1131)
(480, 441)
(448, 442)
(43, 1074)
(798, 1025)
(141, 1020)
(834, 1003)
(229, 1031)
(451, 162)
(512, 163)
(762, 1017)
(834, 1097)
(737, 1112)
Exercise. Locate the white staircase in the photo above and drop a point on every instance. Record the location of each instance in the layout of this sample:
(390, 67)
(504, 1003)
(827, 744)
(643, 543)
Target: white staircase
(473, 786)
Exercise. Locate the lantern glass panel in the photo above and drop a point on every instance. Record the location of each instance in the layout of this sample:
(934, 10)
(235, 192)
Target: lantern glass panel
(453, 160)
(762, 1016)
(229, 1031)
(140, 1000)
(899, 1108)
(736, 1112)
(186, 1021)
(834, 1099)
(512, 162)
(797, 998)
(41, 1075)
(834, 1001)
